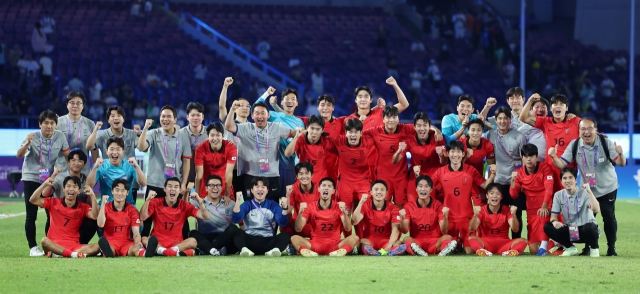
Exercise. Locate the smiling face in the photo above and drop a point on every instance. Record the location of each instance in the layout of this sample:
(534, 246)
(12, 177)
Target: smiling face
(75, 164)
(503, 121)
(167, 120)
(540, 109)
(378, 192)
(213, 188)
(314, 131)
(71, 190)
(304, 176)
(363, 99)
(422, 129)
(260, 116)
(530, 161)
(116, 120)
(353, 137)
(558, 110)
(568, 181)
(326, 190)
(75, 106)
(464, 108)
(289, 103)
(47, 127)
(259, 191)
(455, 156)
(243, 109)
(494, 197)
(172, 190)
(215, 139)
(588, 131)
(390, 122)
(325, 109)
(195, 118)
(475, 132)
(115, 153)
(516, 102)
(119, 193)
(423, 189)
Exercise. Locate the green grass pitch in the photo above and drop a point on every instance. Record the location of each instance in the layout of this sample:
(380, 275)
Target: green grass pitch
(20, 273)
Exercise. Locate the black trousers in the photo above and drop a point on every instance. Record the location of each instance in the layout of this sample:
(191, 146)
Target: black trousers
(260, 245)
(31, 213)
(134, 194)
(238, 183)
(588, 234)
(608, 210)
(274, 188)
(520, 202)
(146, 230)
(217, 241)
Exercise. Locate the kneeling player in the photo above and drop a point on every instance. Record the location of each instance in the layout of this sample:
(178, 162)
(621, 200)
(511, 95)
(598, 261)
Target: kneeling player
(326, 219)
(494, 221)
(427, 223)
(381, 222)
(169, 214)
(118, 218)
(66, 216)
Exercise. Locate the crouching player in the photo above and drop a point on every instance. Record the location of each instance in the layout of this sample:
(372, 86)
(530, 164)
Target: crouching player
(66, 216)
(381, 222)
(169, 215)
(118, 218)
(326, 218)
(494, 221)
(427, 223)
(303, 190)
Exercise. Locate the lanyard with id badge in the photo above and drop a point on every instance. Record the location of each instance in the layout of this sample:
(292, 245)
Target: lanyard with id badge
(590, 176)
(170, 167)
(263, 162)
(69, 132)
(574, 235)
(43, 172)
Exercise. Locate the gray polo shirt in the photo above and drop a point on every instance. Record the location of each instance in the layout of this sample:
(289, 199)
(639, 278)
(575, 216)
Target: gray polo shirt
(129, 137)
(566, 204)
(516, 123)
(58, 184)
(52, 148)
(507, 151)
(248, 154)
(76, 133)
(605, 174)
(536, 137)
(158, 158)
(194, 141)
(219, 216)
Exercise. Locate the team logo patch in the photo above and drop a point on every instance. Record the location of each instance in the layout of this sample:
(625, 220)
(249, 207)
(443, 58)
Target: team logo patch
(233, 158)
(492, 154)
(137, 221)
(567, 131)
(464, 180)
(398, 217)
(386, 219)
(549, 178)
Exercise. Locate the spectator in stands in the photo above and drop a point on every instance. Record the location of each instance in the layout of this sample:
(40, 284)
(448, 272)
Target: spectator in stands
(445, 55)
(31, 83)
(75, 84)
(154, 80)
(263, 50)
(317, 81)
(39, 40)
(297, 73)
(182, 117)
(135, 8)
(48, 23)
(14, 56)
(153, 110)
(416, 85)
(508, 70)
(94, 90)
(139, 114)
(392, 66)
(433, 72)
(109, 99)
(455, 91)
(148, 9)
(617, 115)
(96, 111)
(22, 65)
(459, 20)
(607, 87)
(417, 47)
(620, 63)
(47, 64)
(200, 72)
(33, 66)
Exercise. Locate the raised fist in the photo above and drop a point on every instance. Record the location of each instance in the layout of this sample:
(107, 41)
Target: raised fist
(342, 206)
(303, 206)
(228, 81)
(136, 128)
(513, 209)
(402, 146)
(133, 161)
(148, 123)
(416, 170)
(105, 198)
(491, 102)
(273, 100)
(271, 90)
(30, 138)
(402, 213)
(98, 163)
(152, 194)
(98, 125)
(391, 81)
(445, 210)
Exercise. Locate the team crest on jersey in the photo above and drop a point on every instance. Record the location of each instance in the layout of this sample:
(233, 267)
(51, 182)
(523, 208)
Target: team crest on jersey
(566, 131)
(124, 177)
(126, 221)
(464, 180)
(386, 219)
(137, 221)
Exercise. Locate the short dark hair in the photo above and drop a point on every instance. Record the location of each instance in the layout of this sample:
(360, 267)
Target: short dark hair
(124, 182)
(390, 111)
(304, 164)
(421, 116)
(559, 98)
(172, 179)
(454, 144)
(73, 95)
(476, 121)
(215, 126)
(570, 170)
(81, 155)
(259, 104)
(119, 110)
(288, 91)
(315, 119)
(362, 88)
(503, 109)
(327, 98)
(591, 119)
(75, 180)
(47, 114)
(515, 91)
(173, 109)
(327, 179)
(529, 150)
(466, 97)
(425, 178)
(493, 186)
(255, 180)
(353, 123)
(117, 141)
(195, 105)
(213, 177)
(379, 182)
(543, 101)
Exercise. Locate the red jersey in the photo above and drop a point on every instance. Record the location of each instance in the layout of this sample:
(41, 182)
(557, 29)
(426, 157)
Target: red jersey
(424, 221)
(460, 188)
(387, 145)
(65, 220)
(494, 225)
(537, 187)
(424, 155)
(298, 196)
(169, 220)
(214, 162)
(352, 160)
(374, 118)
(377, 223)
(558, 133)
(326, 223)
(480, 153)
(314, 154)
(119, 222)
(334, 127)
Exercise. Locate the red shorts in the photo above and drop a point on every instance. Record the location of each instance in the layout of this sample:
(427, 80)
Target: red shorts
(348, 192)
(397, 188)
(121, 247)
(378, 244)
(73, 246)
(169, 241)
(291, 228)
(324, 247)
(427, 244)
(535, 227)
(495, 245)
(460, 228)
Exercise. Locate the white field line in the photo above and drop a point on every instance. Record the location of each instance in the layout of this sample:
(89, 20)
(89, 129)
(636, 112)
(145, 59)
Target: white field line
(10, 215)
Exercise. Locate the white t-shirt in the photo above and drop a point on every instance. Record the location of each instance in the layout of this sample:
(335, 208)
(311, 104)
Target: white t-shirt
(317, 82)
(416, 78)
(33, 65)
(200, 71)
(434, 72)
(46, 64)
(606, 88)
(417, 46)
(509, 70)
(94, 92)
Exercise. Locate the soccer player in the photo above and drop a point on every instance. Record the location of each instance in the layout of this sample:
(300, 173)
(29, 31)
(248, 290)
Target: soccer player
(479, 149)
(313, 148)
(535, 181)
(215, 235)
(515, 99)
(169, 214)
(533, 135)
(76, 129)
(261, 216)
(381, 223)
(559, 129)
(460, 183)
(196, 133)
(215, 156)
(304, 190)
(67, 215)
(121, 220)
(493, 221)
(427, 223)
(40, 151)
(326, 219)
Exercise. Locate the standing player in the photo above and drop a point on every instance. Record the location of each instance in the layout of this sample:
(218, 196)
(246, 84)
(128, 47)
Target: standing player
(76, 129)
(515, 99)
(533, 135)
(326, 219)
(67, 215)
(304, 190)
(479, 149)
(427, 223)
(215, 157)
(381, 223)
(169, 214)
(313, 148)
(196, 133)
(493, 222)
(535, 181)
(120, 220)
(454, 125)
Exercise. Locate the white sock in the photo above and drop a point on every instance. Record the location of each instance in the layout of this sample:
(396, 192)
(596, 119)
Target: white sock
(214, 251)
(175, 248)
(160, 250)
(74, 254)
(544, 244)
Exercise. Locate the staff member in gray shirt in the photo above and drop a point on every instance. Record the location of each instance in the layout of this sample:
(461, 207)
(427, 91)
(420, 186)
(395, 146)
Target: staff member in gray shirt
(515, 99)
(577, 205)
(596, 163)
(196, 133)
(76, 129)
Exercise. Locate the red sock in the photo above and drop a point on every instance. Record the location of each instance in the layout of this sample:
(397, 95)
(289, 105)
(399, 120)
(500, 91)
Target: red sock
(169, 252)
(445, 243)
(189, 252)
(520, 246)
(347, 247)
(142, 252)
(67, 253)
(393, 248)
(475, 244)
(302, 247)
(409, 250)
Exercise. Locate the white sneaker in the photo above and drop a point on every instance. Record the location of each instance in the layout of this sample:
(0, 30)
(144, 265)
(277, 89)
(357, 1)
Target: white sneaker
(417, 250)
(36, 251)
(214, 252)
(594, 252)
(246, 252)
(275, 252)
(571, 251)
(450, 247)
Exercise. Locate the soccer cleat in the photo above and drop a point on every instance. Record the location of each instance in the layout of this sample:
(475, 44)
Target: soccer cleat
(612, 251)
(595, 252)
(246, 252)
(80, 255)
(223, 251)
(339, 252)
(511, 253)
(152, 247)
(450, 247)
(214, 252)
(483, 252)
(105, 248)
(398, 250)
(290, 250)
(275, 252)
(188, 252)
(368, 250)
(53, 255)
(541, 252)
(585, 251)
(556, 250)
(417, 250)
(308, 253)
(354, 251)
(571, 251)
(36, 251)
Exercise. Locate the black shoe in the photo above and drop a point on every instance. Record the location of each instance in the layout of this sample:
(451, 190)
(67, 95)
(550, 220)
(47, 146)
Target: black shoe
(223, 251)
(152, 246)
(586, 251)
(612, 251)
(103, 243)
